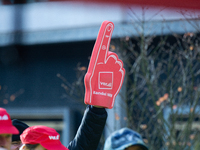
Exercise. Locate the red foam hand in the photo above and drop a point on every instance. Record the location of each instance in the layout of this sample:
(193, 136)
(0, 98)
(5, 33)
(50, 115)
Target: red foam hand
(105, 73)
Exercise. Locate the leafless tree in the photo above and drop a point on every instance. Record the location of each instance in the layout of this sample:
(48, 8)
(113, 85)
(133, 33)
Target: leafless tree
(162, 82)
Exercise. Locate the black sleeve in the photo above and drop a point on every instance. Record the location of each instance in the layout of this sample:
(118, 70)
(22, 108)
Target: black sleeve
(90, 129)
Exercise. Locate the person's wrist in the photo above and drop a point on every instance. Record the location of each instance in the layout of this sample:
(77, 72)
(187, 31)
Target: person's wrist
(97, 110)
(97, 106)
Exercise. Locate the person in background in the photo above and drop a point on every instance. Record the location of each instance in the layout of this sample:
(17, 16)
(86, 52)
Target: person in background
(21, 126)
(41, 137)
(6, 130)
(125, 139)
(87, 137)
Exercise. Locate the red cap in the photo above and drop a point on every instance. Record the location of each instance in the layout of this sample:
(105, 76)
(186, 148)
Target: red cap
(46, 136)
(6, 126)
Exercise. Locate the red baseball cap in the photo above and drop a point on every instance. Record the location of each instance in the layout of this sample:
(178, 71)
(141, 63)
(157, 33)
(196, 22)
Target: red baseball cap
(46, 136)
(6, 126)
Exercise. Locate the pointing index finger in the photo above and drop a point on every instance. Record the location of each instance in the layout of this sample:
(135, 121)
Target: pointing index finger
(103, 41)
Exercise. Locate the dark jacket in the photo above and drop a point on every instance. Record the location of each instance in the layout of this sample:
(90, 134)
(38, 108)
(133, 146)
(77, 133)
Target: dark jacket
(90, 130)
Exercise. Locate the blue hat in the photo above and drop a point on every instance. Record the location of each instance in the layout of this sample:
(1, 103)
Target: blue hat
(123, 138)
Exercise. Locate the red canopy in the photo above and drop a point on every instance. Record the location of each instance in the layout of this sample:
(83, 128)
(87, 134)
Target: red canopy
(187, 4)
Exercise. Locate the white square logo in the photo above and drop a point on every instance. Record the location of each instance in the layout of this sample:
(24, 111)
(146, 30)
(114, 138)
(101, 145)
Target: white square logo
(105, 80)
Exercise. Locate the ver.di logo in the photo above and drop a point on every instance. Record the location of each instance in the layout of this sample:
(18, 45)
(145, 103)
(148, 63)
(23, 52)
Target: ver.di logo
(54, 137)
(105, 80)
(5, 117)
